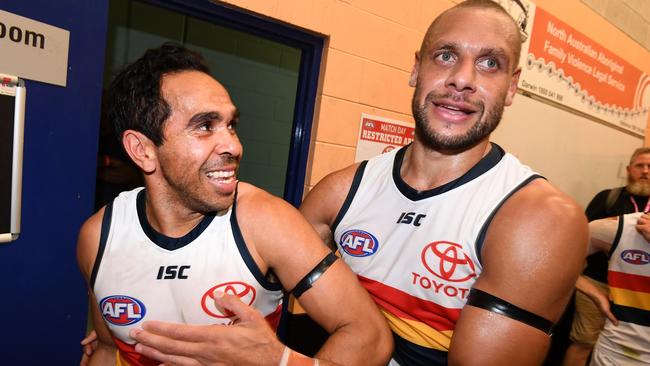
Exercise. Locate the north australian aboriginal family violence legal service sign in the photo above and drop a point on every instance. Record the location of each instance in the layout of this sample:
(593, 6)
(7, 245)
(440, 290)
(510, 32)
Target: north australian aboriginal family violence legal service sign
(566, 67)
(379, 135)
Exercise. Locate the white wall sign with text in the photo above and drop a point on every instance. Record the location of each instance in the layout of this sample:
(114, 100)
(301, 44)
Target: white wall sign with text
(33, 50)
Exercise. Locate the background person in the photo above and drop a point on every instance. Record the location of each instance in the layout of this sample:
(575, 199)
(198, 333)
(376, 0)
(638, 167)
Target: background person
(625, 338)
(634, 197)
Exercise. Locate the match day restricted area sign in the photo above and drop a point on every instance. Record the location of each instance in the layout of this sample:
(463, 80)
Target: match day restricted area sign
(33, 50)
(565, 66)
(378, 135)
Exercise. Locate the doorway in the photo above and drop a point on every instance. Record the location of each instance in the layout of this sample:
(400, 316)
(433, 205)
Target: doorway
(270, 70)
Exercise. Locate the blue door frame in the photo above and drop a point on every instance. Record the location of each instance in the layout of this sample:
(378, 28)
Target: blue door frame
(43, 298)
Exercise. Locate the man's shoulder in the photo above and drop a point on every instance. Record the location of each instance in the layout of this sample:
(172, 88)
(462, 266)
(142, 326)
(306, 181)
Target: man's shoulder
(539, 219)
(249, 194)
(544, 199)
(345, 175)
(605, 193)
(337, 183)
(88, 241)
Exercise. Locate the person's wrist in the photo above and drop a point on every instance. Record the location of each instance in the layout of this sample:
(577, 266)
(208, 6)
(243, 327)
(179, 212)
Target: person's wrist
(292, 358)
(275, 356)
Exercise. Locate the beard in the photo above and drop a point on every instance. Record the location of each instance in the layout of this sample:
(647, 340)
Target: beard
(187, 188)
(639, 188)
(488, 120)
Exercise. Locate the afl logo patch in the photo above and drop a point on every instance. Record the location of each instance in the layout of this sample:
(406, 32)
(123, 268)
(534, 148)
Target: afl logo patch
(244, 291)
(359, 243)
(635, 256)
(122, 310)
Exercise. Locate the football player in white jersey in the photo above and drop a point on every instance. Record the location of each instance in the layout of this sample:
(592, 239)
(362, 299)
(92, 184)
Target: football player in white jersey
(177, 124)
(625, 338)
(464, 74)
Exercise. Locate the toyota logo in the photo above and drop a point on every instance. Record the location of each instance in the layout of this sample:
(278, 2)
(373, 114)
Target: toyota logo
(244, 291)
(448, 261)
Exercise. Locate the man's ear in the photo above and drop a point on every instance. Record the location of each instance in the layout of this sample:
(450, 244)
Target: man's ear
(512, 88)
(141, 150)
(414, 72)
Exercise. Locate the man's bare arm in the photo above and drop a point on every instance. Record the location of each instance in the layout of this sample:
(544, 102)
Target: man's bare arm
(597, 296)
(323, 202)
(601, 235)
(87, 245)
(336, 301)
(532, 255)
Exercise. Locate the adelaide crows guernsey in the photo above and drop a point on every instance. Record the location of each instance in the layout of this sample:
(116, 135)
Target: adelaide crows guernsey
(140, 274)
(418, 252)
(628, 277)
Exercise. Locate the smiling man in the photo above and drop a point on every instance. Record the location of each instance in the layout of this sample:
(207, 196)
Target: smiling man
(197, 246)
(470, 255)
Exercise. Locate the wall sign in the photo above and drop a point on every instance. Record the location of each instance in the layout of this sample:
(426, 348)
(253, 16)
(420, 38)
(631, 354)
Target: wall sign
(564, 66)
(378, 135)
(33, 50)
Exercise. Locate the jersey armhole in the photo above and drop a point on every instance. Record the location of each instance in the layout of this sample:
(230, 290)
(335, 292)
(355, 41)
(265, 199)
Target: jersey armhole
(481, 235)
(246, 255)
(106, 228)
(356, 181)
(617, 238)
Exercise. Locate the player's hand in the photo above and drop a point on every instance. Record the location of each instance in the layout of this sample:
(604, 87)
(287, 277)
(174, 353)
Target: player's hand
(601, 300)
(248, 341)
(88, 345)
(643, 226)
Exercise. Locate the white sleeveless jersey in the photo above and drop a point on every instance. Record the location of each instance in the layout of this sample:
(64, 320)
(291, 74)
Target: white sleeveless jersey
(140, 274)
(628, 277)
(417, 253)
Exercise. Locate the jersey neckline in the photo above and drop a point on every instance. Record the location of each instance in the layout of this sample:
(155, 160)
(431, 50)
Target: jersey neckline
(162, 240)
(486, 163)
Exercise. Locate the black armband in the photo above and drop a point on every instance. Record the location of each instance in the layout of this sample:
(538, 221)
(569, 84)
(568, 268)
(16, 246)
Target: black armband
(313, 275)
(483, 300)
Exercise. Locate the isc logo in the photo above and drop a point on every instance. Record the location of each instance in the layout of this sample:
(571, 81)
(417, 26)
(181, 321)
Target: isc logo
(410, 218)
(635, 256)
(172, 272)
(359, 243)
(122, 310)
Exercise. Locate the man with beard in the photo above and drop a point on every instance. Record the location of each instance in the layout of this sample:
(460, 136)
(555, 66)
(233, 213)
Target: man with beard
(587, 319)
(631, 198)
(193, 241)
(470, 255)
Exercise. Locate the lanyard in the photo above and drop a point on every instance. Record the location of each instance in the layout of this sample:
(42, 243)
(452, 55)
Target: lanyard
(636, 207)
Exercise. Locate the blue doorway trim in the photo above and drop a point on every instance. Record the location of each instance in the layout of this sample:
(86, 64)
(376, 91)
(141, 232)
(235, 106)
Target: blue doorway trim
(311, 46)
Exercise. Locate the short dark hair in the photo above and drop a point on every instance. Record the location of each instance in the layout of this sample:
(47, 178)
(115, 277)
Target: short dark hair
(135, 101)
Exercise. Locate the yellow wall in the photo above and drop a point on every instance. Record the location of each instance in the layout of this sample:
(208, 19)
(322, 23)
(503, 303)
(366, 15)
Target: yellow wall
(369, 55)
